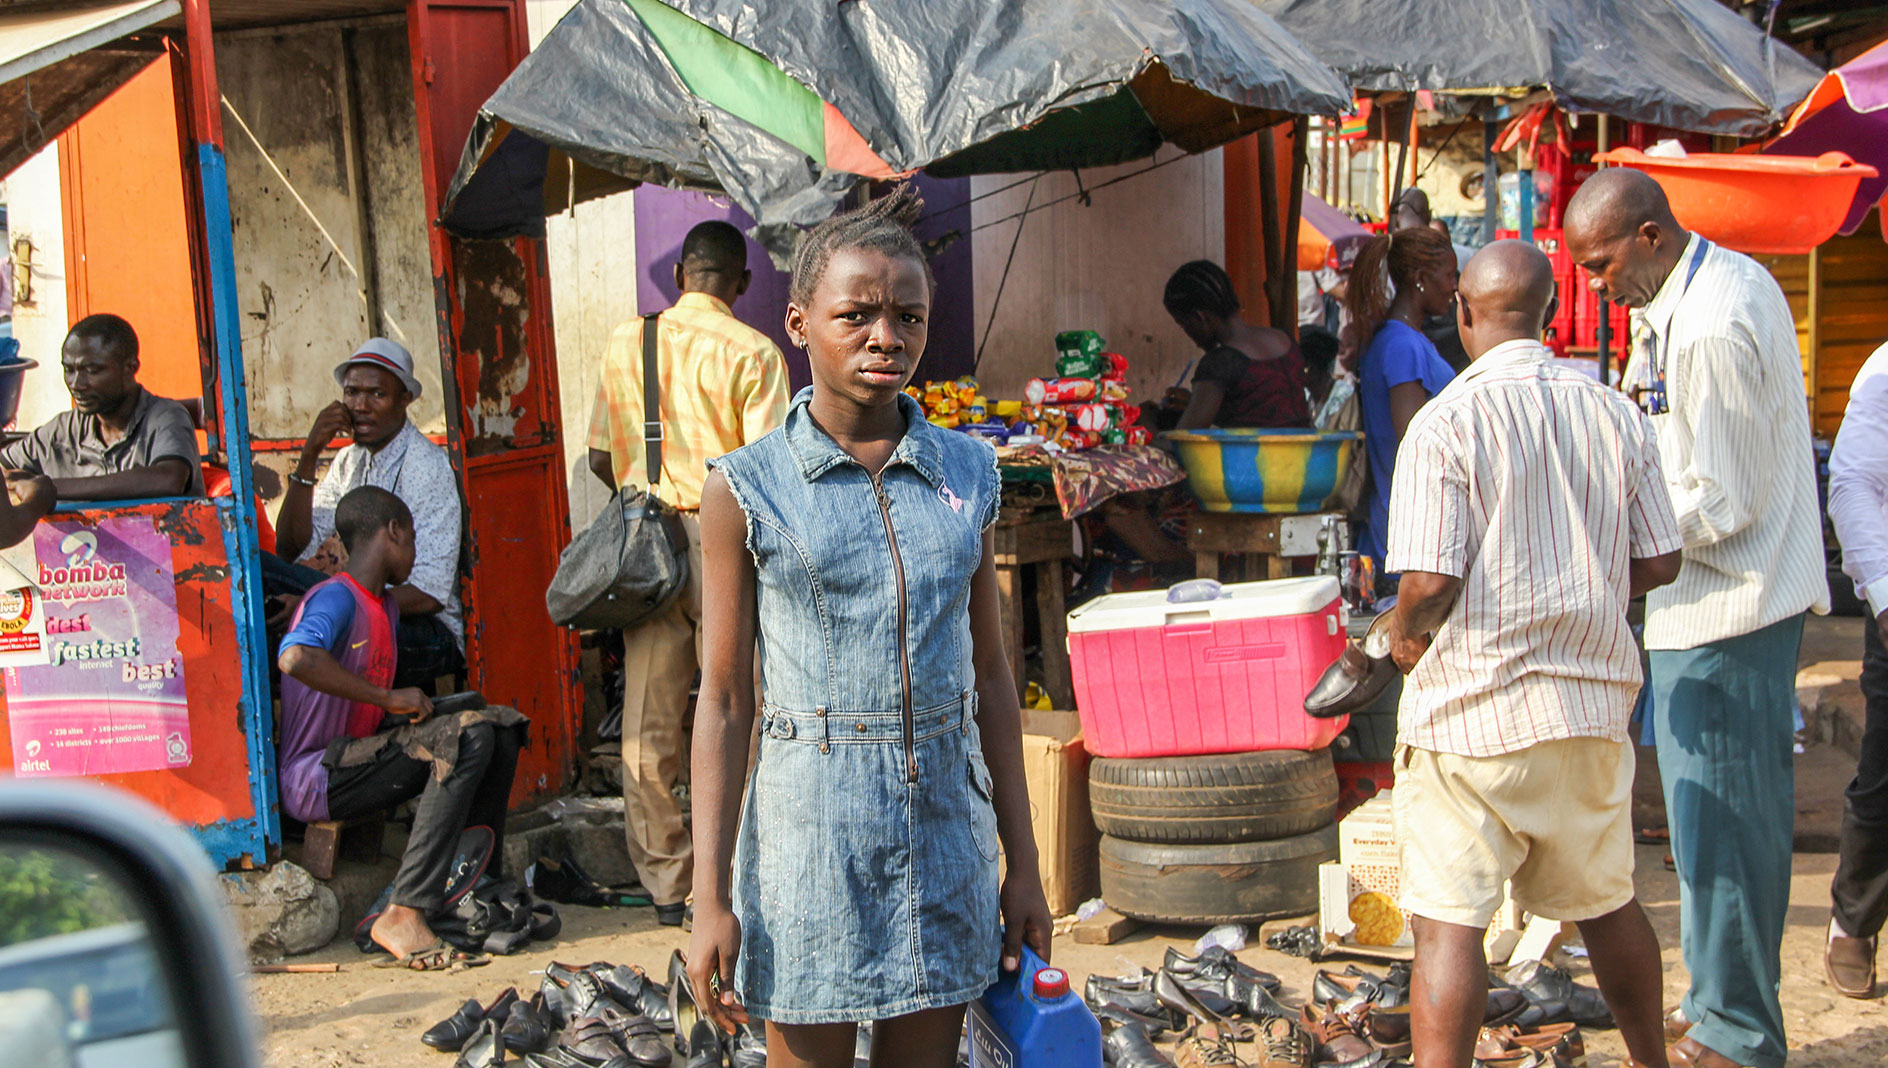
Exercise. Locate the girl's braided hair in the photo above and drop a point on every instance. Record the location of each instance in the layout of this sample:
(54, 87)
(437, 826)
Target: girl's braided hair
(883, 225)
(1201, 286)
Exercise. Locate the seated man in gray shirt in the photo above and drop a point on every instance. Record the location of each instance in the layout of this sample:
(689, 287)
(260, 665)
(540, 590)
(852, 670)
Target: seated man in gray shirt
(119, 441)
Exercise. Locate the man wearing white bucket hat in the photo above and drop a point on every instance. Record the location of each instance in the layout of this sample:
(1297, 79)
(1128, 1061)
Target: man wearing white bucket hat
(388, 451)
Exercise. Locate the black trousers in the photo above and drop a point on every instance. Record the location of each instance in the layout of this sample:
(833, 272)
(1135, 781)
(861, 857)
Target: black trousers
(475, 794)
(427, 647)
(1860, 889)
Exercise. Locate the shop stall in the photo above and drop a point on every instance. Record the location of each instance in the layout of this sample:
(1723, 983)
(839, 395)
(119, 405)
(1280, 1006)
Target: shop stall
(146, 665)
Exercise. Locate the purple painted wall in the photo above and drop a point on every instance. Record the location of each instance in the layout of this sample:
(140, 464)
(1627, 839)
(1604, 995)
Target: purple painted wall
(664, 217)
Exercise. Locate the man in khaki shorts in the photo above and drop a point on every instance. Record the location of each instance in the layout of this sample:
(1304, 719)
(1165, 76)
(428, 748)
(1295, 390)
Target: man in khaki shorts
(1529, 507)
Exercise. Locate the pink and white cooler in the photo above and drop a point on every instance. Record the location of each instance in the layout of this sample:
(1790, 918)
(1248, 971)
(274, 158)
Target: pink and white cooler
(1154, 679)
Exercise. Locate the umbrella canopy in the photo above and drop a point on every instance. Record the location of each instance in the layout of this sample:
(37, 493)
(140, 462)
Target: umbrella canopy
(1688, 64)
(1327, 237)
(1847, 112)
(785, 105)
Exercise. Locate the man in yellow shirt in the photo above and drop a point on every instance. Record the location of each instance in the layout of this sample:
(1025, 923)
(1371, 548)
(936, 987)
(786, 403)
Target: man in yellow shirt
(723, 385)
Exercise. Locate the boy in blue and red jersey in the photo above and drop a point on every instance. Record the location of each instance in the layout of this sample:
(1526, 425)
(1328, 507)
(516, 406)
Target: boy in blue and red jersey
(338, 763)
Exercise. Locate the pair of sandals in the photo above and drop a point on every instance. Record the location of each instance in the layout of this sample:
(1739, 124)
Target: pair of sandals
(441, 956)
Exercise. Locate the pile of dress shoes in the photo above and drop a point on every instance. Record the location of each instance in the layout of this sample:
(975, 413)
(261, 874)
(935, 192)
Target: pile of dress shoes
(596, 1016)
(1223, 1013)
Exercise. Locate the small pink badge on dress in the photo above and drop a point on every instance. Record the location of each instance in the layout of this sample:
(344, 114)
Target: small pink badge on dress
(957, 503)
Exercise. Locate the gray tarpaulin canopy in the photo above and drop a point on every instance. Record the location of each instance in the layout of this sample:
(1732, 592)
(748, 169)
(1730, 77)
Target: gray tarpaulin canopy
(787, 105)
(1689, 64)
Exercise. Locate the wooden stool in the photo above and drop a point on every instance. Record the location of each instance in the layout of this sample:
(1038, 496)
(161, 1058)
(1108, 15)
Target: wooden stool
(323, 841)
(1272, 539)
(1042, 541)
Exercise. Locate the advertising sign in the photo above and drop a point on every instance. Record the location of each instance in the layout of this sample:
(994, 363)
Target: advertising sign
(109, 694)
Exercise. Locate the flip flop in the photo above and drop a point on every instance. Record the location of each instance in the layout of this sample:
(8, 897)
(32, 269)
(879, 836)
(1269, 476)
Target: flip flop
(1652, 835)
(438, 957)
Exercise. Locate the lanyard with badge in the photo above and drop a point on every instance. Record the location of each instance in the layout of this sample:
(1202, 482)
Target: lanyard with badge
(1654, 401)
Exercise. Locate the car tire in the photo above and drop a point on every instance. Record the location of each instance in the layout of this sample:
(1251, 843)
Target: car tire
(1203, 800)
(1236, 882)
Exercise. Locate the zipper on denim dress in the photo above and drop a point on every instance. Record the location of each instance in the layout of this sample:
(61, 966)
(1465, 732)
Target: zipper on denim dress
(904, 657)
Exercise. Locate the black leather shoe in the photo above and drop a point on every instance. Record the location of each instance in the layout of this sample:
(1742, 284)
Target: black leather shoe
(682, 1011)
(1553, 997)
(525, 1029)
(1133, 995)
(485, 1049)
(1218, 963)
(635, 991)
(705, 1047)
(1128, 1046)
(1191, 999)
(1253, 1001)
(672, 915)
(1360, 673)
(451, 1034)
(1348, 990)
(1155, 1026)
(748, 1048)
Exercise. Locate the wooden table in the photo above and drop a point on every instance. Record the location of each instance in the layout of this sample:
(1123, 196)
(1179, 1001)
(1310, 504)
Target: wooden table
(1268, 542)
(1041, 539)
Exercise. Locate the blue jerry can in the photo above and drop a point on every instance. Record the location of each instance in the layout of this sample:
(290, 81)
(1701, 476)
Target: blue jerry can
(1031, 1019)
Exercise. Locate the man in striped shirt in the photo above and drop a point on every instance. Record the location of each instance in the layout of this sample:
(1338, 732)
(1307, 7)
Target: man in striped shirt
(1528, 508)
(1725, 391)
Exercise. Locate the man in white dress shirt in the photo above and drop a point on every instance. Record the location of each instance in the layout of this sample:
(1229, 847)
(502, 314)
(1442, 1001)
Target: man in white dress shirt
(1726, 397)
(1529, 508)
(1858, 505)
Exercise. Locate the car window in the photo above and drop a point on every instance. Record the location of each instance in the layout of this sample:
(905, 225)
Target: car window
(79, 982)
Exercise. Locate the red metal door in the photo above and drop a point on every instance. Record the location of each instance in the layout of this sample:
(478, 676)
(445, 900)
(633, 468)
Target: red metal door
(494, 306)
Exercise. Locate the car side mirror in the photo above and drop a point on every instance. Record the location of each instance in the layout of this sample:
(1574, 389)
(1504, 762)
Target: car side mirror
(115, 945)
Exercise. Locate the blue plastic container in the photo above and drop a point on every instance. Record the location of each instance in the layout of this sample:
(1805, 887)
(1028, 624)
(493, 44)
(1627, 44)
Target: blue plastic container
(1031, 1019)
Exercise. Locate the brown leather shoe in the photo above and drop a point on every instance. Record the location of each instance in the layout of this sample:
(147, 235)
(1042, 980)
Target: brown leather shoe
(1850, 965)
(1282, 1044)
(1336, 1035)
(1676, 1026)
(1360, 673)
(1688, 1052)
(1208, 1048)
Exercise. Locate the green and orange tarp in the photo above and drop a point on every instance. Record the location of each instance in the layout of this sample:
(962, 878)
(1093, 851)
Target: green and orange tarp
(786, 105)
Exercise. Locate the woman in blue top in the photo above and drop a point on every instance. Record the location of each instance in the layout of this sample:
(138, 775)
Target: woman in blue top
(1401, 369)
(859, 882)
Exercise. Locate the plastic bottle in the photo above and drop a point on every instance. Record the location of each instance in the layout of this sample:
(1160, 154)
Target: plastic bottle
(1031, 1019)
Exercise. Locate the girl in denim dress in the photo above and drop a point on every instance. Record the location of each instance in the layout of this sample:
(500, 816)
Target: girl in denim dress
(858, 882)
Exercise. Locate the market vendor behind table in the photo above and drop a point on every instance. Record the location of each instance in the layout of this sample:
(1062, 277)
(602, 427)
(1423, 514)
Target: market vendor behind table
(119, 441)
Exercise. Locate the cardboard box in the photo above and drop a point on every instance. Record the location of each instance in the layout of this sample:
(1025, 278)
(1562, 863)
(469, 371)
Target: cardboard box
(1055, 765)
(1360, 894)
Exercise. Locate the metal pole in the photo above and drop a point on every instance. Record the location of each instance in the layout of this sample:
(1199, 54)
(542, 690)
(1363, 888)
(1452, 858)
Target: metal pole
(1524, 192)
(1603, 332)
(1491, 185)
(216, 259)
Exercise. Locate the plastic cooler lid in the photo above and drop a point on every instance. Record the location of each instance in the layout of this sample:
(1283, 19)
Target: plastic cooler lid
(1244, 600)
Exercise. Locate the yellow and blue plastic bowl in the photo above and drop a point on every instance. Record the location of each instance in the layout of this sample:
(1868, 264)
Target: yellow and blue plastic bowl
(1287, 471)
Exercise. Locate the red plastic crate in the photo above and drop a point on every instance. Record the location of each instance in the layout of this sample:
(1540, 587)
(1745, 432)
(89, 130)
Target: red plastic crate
(1228, 676)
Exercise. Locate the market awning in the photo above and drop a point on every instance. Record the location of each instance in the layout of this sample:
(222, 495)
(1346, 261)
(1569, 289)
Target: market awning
(748, 97)
(57, 65)
(1848, 112)
(1688, 64)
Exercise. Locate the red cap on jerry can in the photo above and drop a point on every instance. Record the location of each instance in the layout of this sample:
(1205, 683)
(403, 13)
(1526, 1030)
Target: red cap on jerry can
(1052, 983)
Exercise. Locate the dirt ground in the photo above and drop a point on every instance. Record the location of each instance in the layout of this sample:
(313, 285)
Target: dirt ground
(367, 1016)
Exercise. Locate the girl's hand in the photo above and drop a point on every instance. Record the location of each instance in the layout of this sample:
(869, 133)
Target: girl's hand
(712, 950)
(1025, 918)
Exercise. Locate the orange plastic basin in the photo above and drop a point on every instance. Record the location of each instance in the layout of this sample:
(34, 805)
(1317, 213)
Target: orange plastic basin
(1752, 203)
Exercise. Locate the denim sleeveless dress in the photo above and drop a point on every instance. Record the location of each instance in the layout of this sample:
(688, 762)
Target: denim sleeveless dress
(865, 870)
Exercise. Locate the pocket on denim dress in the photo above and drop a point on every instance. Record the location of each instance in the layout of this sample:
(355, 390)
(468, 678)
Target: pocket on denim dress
(982, 808)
